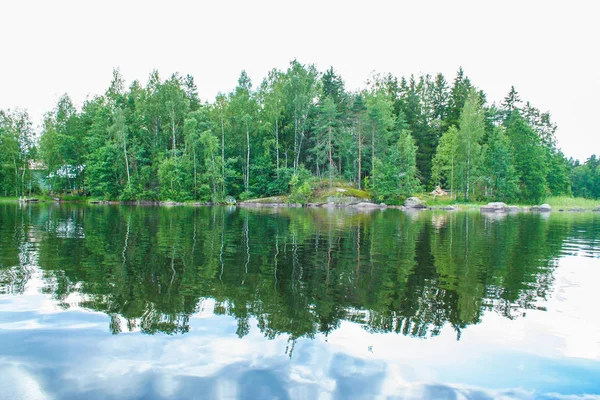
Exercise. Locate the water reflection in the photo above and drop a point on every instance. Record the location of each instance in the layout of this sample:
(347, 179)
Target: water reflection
(297, 272)
(340, 293)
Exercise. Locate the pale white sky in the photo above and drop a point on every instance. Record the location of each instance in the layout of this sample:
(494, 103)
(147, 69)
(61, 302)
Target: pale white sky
(547, 49)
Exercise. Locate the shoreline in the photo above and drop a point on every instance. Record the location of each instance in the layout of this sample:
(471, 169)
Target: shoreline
(362, 205)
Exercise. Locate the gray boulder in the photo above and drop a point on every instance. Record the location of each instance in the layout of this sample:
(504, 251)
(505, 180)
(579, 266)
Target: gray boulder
(448, 208)
(513, 209)
(414, 202)
(364, 204)
(596, 209)
(545, 208)
(397, 207)
(495, 207)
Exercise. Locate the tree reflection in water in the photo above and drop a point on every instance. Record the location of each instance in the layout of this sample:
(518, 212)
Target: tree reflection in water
(296, 272)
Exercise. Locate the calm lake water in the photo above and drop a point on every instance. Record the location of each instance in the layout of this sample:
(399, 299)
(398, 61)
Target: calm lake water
(103, 302)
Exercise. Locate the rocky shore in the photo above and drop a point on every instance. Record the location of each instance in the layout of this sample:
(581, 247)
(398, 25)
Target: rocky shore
(499, 207)
(411, 203)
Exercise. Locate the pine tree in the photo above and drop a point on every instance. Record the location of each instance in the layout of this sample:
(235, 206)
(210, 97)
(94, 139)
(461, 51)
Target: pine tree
(511, 101)
(499, 168)
(529, 158)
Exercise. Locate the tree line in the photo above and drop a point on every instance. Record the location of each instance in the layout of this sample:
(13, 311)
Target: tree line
(297, 129)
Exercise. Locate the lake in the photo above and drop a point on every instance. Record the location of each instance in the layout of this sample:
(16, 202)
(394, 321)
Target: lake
(118, 302)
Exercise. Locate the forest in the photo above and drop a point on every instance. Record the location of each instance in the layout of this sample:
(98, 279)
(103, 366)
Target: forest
(297, 130)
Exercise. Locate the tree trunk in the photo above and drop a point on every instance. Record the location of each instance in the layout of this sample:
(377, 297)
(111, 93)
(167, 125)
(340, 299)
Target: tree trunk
(247, 158)
(16, 177)
(223, 153)
(173, 127)
(295, 142)
(23, 178)
(468, 170)
(277, 144)
(330, 158)
(127, 163)
(301, 139)
(359, 155)
(373, 156)
(452, 180)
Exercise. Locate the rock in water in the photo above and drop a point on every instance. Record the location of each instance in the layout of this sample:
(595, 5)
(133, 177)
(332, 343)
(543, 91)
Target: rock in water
(414, 202)
(545, 208)
(365, 204)
(230, 200)
(495, 207)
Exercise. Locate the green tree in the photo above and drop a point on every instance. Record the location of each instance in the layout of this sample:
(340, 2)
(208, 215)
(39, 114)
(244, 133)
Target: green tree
(244, 113)
(458, 97)
(380, 121)
(585, 178)
(18, 150)
(62, 146)
(398, 169)
(529, 158)
(511, 101)
(300, 88)
(499, 168)
(210, 144)
(468, 144)
(444, 162)
(326, 132)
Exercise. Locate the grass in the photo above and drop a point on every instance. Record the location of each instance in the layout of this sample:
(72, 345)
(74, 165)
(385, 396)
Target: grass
(5, 199)
(10, 199)
(557, 202)
(571, 202)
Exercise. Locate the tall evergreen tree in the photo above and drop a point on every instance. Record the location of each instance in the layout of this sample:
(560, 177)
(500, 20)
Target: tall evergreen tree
(458, 96)
(499, 168)
(529, 158)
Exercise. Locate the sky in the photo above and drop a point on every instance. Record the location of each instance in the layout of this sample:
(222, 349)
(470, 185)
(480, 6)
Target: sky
(547, 49)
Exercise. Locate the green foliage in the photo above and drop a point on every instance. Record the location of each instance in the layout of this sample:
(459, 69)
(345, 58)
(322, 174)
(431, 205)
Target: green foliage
(397, 177)
(301, 193)
(158, 141)
(174, 175)
(499, 168)
(585, 178)
(529, 158)
(468, 144)
(444, 162)
(557, 178)
(17, 150)
(300, 187)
